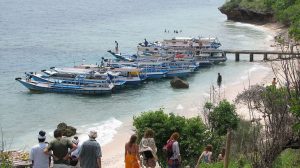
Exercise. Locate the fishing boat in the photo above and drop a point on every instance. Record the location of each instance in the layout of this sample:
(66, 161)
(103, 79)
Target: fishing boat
(178, 45)
(62, 78)
(132, 75)
(152, 70)
(125, 57)
(73, 88)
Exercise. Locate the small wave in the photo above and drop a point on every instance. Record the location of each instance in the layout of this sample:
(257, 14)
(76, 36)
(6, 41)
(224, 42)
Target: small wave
(255, 27)
(179, 107)
(106, 130)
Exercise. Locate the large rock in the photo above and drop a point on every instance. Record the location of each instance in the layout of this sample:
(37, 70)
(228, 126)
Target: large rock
(67, 130)
(247, 15)
(179, 83)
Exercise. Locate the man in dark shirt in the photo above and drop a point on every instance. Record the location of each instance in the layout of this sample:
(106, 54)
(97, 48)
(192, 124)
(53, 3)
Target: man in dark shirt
(219, 80)
(90, 153)
(60, 147)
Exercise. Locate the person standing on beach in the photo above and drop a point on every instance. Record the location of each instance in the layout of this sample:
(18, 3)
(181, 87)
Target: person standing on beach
(219, 80)
(61, 148)
(148, 149)
(132, 158)
(37, 156)
(274, 82)
(90, 152)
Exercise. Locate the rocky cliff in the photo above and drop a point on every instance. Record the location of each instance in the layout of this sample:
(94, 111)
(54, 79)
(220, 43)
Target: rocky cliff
(247, 15)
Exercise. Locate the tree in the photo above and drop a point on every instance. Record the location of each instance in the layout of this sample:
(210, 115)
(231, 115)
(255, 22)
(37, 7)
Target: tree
(268, 111)
(194, 135)
(223, 117)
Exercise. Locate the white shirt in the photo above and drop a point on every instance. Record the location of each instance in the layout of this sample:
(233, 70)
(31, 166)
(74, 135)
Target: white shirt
(76, 151)
(176, 151)
(39, 158)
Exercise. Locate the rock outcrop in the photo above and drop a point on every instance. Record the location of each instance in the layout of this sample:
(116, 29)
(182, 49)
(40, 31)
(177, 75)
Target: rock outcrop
(247, 15)
(179, 83)
(67, 130)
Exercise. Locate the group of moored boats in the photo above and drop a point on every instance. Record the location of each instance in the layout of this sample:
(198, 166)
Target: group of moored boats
(169, 58)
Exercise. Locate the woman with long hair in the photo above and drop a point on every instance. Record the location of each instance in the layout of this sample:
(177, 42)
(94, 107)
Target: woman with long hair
(172, 146)
(132, 153)
(148, 149)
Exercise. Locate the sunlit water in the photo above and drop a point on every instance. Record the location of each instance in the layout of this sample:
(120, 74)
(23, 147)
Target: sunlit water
(36, 35)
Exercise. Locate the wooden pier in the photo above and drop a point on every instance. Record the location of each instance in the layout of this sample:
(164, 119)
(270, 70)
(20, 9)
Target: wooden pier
(265, 53)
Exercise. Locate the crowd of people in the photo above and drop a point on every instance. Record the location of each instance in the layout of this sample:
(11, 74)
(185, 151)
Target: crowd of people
(63, 153)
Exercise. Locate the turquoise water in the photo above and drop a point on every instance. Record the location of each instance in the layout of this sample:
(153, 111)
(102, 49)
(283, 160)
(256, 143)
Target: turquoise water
(36, 35)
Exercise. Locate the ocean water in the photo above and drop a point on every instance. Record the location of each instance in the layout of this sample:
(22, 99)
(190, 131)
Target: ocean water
(36, 35)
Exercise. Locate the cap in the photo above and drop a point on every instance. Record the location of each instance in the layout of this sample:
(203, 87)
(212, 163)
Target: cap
(42, 135)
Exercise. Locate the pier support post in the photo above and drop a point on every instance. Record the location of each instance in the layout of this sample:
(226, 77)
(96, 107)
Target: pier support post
(251, 57)
(265, 56)
(237, 56)
(279, 56)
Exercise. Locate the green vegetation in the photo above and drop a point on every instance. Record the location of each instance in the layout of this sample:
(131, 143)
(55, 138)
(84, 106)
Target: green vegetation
(285, 11)
(194, 135)
(223, 117)
(254, 5)
(233, 164)
(5, 160)
(288, 158)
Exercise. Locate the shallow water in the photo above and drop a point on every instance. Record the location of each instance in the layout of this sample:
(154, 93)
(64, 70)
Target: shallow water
(36, 35)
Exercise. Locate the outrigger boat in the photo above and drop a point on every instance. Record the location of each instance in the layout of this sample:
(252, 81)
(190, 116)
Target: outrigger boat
(182, 45)
(125, 57)
(74, 88)
(63, 78)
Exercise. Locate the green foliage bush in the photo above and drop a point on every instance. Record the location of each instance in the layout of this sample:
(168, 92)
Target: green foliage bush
(288, 158)
(223, 117)
(194, 135)
(285, 11)
(5, 160)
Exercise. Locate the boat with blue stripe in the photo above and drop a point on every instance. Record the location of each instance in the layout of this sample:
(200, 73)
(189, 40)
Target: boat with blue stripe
(57, 87)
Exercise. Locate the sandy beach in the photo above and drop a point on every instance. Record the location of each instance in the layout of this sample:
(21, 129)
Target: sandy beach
(113, 152)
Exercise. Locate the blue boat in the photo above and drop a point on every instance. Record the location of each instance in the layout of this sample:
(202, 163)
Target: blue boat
(56, 87)
(63, 78)
(184, 72)
(132, 75)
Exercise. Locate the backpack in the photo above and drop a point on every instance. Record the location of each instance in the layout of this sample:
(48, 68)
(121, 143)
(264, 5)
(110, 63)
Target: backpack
(168, 148)
(147, 154)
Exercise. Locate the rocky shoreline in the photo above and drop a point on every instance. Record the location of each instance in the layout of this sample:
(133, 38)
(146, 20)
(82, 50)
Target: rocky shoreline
(247, 15)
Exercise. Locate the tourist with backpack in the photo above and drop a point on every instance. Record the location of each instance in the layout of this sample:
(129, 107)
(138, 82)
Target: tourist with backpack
(172, 151)
(205, 156)
(148, 149)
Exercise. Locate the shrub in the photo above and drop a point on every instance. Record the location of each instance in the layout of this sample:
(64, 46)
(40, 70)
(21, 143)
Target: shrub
(194, 135)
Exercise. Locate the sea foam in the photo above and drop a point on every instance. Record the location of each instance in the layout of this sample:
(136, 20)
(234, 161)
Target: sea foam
(106, 130)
